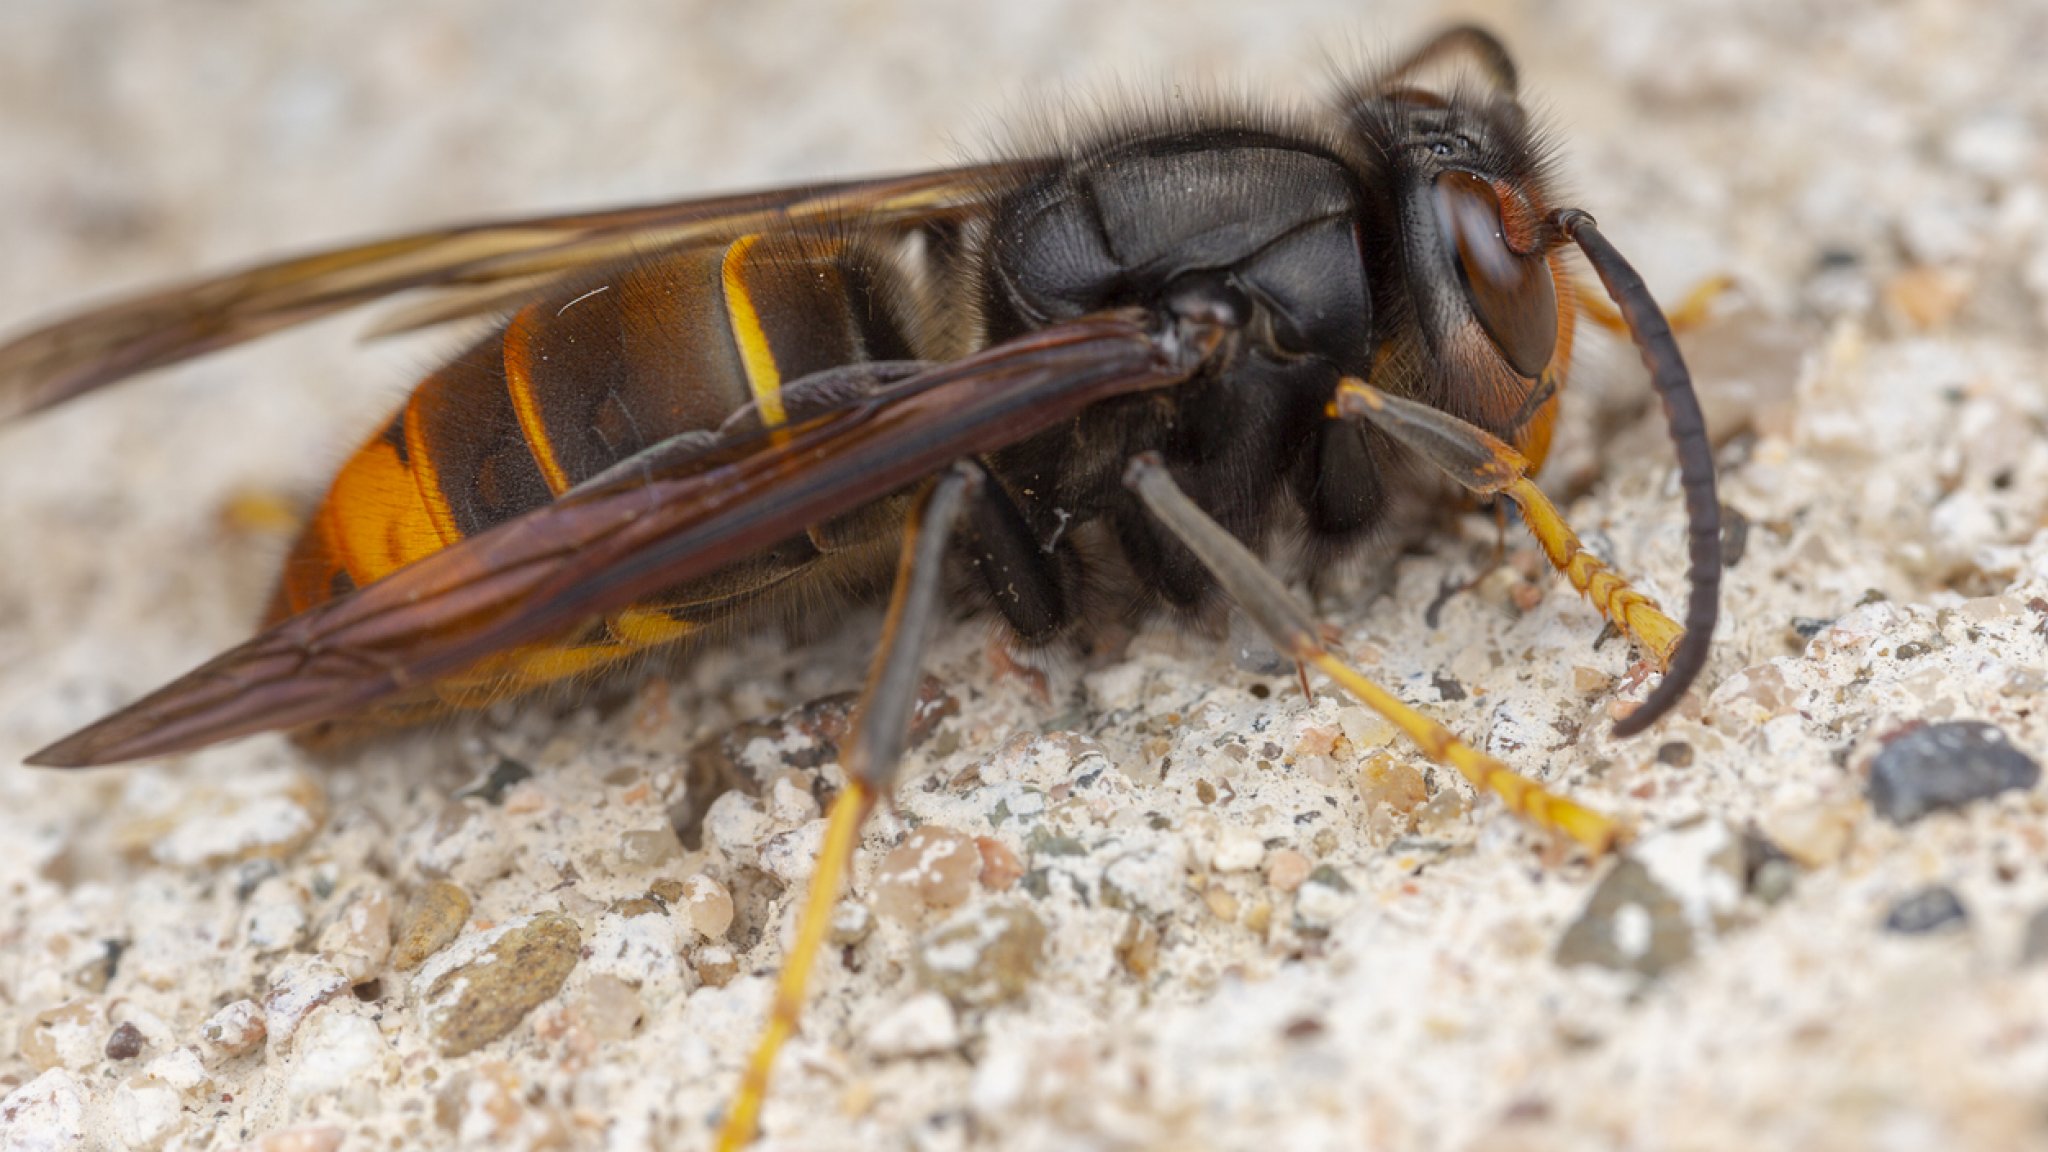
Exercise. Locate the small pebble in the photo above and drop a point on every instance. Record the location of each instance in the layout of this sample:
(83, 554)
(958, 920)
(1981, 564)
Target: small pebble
(492, 785)
(1287, 869)
(707, 906)
(145, 1114)
(1364, 729)
(235, 1029)
(1948, 765)
(1806, 628)
(923, 1025)
(433, 919)
(487, 991)
(277, 917)
(1768, 873)
(1137, 947)
(93, 975)
(295, 991)
(181, 1069)
(1391, 780)
(735, 825)
(634, 907)
(1222, 904)
(607, 1008)
(1816, 835)
(1000, 867)
(1323, 899)
(789, 799)
(1930, 910)
(45, 1115)
(933, 868)
(792, 856)
(359, 940)
(1590, 681)
(1237, 850)
(2034, 941)
(716, 965)
(125, 1043)
(342, 1052)
(1440, 815)
(1258, 917)
(1631, 923)
(851, 923)
(984, 956)
(649, 848)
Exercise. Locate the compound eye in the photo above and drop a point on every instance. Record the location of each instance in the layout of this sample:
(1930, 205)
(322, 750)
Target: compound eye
(1512, 294)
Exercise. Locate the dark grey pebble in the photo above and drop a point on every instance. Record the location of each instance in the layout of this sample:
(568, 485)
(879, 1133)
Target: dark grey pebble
(1943, 766)
(1767, 872)
(1631, 923)
(491, 787)
(1807, 627)
(1930, 910)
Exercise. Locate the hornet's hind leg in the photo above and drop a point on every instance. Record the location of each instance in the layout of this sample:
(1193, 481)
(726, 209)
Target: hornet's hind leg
(872, 751)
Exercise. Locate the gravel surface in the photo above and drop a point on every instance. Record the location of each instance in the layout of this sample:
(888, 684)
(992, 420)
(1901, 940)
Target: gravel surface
(1160, 901)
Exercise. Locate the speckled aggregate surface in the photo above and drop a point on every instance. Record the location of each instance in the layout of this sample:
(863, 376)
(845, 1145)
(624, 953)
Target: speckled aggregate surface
(1168, 903)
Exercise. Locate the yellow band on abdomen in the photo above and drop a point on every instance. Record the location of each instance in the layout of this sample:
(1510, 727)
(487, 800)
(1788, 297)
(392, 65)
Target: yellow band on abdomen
(763, 377)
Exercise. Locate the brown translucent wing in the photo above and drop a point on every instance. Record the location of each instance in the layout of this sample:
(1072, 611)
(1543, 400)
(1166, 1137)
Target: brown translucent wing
(480, 266)
(628, 535)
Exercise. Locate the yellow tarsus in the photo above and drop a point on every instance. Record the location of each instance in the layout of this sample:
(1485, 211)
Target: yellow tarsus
(1523, 796)
(842, 832)
(1691, 312)
(1609, 593)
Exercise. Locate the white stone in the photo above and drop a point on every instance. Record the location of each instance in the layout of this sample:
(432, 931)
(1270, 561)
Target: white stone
(1237, 850)
(792, 856)
(338, 1049)
(47, 1114)
(236, 1028)
(181, 1069)
(735, 825)
(637, 949)
(146, 1113)
(920, 1026)
(789, 802)
(295, 991)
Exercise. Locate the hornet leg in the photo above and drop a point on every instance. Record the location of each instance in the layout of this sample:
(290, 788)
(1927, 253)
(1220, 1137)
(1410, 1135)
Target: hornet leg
(870, 759)
(1489, 467)
(1288, 624)
(1692, 312)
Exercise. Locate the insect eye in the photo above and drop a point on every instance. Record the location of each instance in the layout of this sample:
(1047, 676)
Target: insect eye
(1512, 294)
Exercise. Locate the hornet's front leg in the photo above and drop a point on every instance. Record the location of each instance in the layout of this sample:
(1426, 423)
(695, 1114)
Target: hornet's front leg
(1487, 466)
